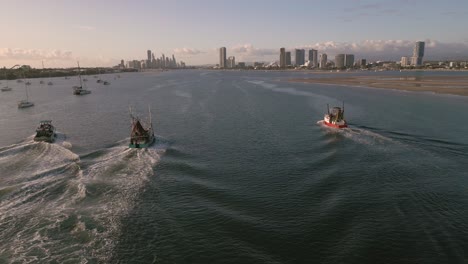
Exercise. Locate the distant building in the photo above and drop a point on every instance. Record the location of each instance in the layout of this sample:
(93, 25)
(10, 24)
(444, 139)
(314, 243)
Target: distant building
(241, 65)
(222, 57)
(282, 58)
(349, 60)
(288, 58)
(148, 61)
(418, 53)
(363, 62)
(122, 63)
(404, 61)
(313, 57)
(340, 61)
(300, 57)
(231, 62)
(259, 64)
(323, 61)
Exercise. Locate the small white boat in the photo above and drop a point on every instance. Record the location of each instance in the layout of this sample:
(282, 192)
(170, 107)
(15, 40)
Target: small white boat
(78, 90)
(25, 104)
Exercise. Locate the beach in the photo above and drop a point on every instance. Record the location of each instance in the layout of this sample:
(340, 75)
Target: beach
(455, 85)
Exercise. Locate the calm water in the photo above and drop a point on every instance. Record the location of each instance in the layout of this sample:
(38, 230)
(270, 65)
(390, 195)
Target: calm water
(241, 173)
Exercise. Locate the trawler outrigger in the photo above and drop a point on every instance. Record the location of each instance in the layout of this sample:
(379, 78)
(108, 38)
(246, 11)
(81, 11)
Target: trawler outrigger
(335, 117)
(140, 136)
(45, 132)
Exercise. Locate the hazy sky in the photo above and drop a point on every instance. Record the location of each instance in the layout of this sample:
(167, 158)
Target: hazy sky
(103, 32)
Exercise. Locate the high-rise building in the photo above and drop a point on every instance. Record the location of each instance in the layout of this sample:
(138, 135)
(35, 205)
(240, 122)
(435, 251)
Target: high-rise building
(323, 61)
(288, 58)
(363, 62)
(148, 61)
(300, 57)
(404, 61)
(349, 60)
(222, 57)
(340, 61)
(418, 53)
(313, 57)
(282, 58)
(231, 62)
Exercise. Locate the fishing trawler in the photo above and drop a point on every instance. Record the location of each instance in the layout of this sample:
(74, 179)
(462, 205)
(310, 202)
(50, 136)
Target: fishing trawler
(140, 136)
(45, 132)
(335, 117)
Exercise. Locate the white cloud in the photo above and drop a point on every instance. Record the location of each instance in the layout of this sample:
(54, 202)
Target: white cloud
(392, 49)
(187, 51)
(34, 54)
(249, 50)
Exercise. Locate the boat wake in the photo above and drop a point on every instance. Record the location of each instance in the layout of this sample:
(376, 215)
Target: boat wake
(56, 206)
(359, 135)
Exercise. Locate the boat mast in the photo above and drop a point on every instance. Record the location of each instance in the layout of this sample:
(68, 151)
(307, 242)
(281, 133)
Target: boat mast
(150, 119)
(25, 87)
(79, 74)
(328, 109)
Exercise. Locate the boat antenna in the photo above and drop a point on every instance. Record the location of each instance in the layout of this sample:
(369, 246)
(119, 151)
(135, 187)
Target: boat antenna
(328, 109)
(150, 120)
(343, 107)
(25, 86)
(79, 74)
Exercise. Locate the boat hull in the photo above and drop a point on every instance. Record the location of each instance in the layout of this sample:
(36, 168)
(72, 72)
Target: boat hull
(142, 145)
(335, 125)
(45, 139)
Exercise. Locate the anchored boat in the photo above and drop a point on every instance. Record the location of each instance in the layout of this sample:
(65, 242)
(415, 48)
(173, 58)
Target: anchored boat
(78, 90)
(45, 132)
(141, 136)
(335, 117)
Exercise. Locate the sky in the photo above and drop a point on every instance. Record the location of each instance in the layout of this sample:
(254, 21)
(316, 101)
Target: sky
(102, 32)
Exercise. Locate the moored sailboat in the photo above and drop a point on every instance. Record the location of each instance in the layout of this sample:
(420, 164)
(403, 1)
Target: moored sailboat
(25, 103)
(78, 90)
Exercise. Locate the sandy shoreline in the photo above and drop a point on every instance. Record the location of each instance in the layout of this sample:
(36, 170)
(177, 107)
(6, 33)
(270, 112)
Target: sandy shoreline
(456, 85)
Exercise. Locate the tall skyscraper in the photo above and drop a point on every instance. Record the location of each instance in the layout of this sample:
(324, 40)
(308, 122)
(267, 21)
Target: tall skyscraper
(418, 53)
(323, 60)
(282, 58)
(231, 62)
(288, 58)
(313, 57)
(340, 61)
(148, 61)
(349, 60)
(300, 57)
(222, 57)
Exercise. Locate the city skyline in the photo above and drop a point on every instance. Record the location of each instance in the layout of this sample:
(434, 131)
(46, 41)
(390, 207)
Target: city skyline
(119, 33)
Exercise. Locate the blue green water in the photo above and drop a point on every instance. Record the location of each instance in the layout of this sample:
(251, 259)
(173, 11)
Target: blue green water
(241, 173)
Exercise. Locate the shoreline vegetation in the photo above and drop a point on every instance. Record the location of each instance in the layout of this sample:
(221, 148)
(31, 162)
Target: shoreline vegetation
(454, 85)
